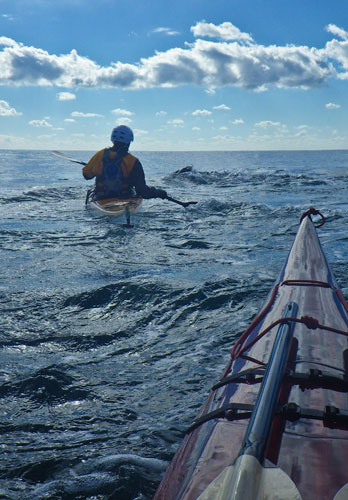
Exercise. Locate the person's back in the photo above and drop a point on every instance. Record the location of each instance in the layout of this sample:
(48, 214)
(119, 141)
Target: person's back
(118, 173)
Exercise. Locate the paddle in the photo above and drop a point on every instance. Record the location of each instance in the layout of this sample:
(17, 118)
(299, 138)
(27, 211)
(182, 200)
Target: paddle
(247, 479)
(252, 477)
(66, 157)
(169, 198)
(182, 203)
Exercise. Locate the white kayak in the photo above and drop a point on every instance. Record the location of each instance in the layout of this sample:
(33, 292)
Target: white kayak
(115, 207)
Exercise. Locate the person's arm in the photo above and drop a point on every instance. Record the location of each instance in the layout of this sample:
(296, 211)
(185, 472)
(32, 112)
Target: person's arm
(139, 183)
(94, 167)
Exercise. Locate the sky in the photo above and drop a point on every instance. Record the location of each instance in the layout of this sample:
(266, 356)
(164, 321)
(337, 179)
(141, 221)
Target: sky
(188, 75)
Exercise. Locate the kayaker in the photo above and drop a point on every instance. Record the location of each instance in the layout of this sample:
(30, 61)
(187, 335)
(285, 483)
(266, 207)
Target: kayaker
(117, 172)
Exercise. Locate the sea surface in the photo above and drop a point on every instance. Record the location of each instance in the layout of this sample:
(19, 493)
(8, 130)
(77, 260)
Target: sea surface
(110, 337)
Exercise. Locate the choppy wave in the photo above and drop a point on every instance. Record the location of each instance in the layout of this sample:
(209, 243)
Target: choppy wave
(110, 337)
(118, 475)
(48, 385)
(225, 178)
(43, 195)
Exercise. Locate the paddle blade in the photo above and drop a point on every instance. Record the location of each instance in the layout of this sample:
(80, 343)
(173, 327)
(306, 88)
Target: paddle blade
(187, 203)
(249, 480)
(342, 494)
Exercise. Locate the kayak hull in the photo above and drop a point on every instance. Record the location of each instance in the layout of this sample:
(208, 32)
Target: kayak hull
(115, 207)
(312, 452)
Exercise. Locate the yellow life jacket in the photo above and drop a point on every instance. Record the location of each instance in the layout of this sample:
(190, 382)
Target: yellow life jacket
(120, 181)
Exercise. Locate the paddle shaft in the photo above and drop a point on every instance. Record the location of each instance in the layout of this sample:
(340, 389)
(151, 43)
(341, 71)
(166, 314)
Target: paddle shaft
(248, 478)
(182, 203)
(66, 157)
(259, 428)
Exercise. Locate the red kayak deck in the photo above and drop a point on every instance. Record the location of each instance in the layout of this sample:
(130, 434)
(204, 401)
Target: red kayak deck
(308, 440)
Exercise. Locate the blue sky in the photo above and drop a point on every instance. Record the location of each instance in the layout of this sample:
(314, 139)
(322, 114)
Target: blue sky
(184, 75)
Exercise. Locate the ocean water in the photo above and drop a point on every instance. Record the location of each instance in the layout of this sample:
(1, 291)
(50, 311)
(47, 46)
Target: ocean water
(110, 338)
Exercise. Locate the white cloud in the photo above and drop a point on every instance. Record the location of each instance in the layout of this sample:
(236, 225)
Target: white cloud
(222, 138)
(335, 30)
(46, 136)
(196, 128)
(65, 96)
(331, 105)
(337, 51)
(123, 112)
(8, 42)
(123, 121)
(139, 132)
(224, 31)
(238, 121)
(267, 124)
(201, 112)
(210, 64)
(70, 120)
(78, 114)
(177, 122)
(8, 17)
(302, 131)
(40, 123)
(6, 110)
(165, 31)
(161, 113)
(222, 107)
(223, 128)
(6, 140)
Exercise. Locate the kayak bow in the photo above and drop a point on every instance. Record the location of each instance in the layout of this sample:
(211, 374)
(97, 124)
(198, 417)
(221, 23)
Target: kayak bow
(275, 426)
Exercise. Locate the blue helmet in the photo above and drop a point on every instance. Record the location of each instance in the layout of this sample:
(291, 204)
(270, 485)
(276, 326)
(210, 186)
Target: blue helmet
(122, 133)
